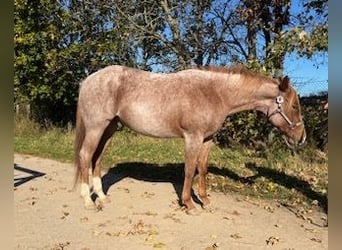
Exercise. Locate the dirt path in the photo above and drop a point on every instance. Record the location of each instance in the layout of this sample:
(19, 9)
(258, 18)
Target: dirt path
(145, 215)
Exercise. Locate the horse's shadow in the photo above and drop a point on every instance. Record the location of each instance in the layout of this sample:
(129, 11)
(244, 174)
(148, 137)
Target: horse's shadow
(171, 173)
(174, 173)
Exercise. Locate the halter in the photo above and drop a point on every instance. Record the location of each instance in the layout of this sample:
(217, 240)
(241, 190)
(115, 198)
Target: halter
(279, 110)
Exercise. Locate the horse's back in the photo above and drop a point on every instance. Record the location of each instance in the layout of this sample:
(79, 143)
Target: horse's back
(154, 104)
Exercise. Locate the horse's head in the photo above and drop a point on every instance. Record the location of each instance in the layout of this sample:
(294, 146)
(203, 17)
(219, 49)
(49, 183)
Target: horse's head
(285, 114)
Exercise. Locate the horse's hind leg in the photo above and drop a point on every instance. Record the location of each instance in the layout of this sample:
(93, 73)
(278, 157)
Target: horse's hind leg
(202, 168)
(97, 158)
(90, 143)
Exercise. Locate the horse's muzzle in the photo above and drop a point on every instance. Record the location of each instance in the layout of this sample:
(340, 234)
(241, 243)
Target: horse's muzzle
(295, 143)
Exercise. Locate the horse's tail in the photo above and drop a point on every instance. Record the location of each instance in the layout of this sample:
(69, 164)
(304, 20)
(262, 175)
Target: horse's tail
(79, 138)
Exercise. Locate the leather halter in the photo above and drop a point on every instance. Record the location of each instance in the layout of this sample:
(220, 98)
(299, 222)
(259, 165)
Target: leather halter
(279, 110)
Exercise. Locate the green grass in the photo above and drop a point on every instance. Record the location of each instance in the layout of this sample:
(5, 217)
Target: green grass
(297, 179)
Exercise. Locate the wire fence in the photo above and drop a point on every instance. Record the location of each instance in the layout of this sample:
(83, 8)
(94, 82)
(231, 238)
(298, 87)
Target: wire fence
(310, 87)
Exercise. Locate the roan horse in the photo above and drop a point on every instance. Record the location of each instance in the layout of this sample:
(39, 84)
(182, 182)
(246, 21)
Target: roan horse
(191, 104)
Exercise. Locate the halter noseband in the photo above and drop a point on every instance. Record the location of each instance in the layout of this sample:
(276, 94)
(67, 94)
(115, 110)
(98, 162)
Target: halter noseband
(279, 110)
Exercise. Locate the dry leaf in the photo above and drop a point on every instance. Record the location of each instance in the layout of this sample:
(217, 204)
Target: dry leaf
(65, 213)
(272, 240)
(61, 246)
(235, 236)
(84, 219)
(269, 209)
(159, 245)
(213, 246)
(236, 213)
(316, 240)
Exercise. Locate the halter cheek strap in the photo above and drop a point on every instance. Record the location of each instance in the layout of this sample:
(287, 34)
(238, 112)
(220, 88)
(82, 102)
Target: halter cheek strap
(279, 110)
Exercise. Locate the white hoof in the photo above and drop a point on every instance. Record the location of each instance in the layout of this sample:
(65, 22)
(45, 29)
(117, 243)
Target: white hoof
(89, 205)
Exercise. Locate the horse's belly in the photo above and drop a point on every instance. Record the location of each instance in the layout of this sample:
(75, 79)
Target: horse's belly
(155, 130)
(151, 123)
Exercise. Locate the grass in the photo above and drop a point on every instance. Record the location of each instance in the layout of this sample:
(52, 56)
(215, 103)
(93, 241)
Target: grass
(297, 179)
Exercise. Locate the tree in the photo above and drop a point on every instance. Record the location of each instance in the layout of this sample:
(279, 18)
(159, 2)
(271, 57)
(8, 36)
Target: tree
(56, 44)
(178, 34)
(272, 27)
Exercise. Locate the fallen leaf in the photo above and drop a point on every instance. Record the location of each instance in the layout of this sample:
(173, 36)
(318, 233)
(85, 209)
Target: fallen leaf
(269, 209)
(84, 219)
(96, 233)
(159, 245)
(311, 230)
(65, 213)
(214, 236)
(316, 240)
(61, 246)
(236, 213)
(114, 234)
(272, 240)
(213, 246)
(235, 236)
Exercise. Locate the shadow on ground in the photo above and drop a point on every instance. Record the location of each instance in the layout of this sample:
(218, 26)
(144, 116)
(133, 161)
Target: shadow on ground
(29, 175)
(174, 174)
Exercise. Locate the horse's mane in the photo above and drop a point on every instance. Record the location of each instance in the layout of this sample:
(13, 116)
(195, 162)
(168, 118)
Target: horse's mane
(237, 69)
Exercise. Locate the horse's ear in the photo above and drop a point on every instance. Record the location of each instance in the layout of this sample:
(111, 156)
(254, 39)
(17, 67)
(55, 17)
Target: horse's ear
(284, 83)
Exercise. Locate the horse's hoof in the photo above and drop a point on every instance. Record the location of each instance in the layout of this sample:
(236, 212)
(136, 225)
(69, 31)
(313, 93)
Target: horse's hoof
(209, 208)
(102, 197)
(99, 204)
(105, 199)
(90, 206)
(193, 211)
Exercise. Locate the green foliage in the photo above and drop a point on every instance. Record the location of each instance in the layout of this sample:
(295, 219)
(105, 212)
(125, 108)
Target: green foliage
(316, 119)
(56, 44)
(244, 128)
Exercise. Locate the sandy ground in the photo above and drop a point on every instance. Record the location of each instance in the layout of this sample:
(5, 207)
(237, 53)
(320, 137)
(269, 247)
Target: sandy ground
(145, 214)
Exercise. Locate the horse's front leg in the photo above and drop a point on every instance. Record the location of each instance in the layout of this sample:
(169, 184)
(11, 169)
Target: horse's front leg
(192, 149)
(202, 168)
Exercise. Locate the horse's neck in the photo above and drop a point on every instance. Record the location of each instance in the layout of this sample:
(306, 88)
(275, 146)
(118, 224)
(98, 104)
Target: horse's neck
(246, 96)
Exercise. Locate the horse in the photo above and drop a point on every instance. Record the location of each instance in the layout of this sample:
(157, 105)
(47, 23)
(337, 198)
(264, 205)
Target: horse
(191, 104)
